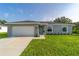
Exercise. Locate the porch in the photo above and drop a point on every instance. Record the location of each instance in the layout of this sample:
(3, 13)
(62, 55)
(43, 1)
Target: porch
(40, 30)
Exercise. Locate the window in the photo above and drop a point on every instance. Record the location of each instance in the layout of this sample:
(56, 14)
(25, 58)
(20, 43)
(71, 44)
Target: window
(64, 29)
(49, 29)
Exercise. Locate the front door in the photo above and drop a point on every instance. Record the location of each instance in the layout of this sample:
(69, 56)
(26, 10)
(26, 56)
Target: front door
(41, 30)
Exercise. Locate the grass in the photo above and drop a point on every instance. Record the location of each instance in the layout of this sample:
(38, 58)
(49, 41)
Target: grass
(3, 35)
(54, 45)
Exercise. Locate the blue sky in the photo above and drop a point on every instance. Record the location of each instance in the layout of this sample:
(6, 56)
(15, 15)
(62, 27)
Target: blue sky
(45, 12)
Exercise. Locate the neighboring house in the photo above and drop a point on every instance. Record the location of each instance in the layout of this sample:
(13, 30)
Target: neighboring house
(3, 28)
(37, 28)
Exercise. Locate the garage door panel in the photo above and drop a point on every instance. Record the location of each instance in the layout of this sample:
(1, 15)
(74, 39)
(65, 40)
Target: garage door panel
(23, 31)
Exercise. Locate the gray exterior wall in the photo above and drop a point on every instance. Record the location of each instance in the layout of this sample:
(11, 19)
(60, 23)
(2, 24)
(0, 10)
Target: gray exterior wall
(70, 29)
(36, 30)
(57, 29)
(9, 30)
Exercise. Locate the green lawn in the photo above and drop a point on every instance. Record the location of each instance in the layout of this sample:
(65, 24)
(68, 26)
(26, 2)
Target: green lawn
(54, 45)
(3, 35)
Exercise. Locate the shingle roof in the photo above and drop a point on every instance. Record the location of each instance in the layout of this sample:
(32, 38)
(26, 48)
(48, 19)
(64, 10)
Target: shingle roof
(29, 22)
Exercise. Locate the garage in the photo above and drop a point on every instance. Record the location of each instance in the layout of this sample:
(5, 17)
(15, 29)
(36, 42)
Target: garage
(22, 30)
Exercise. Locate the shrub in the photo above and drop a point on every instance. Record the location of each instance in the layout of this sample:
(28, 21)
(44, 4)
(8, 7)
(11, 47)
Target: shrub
(3, 34)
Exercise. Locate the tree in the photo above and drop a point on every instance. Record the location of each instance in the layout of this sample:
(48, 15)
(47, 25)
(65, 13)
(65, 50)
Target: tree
(3, 21)
(76, 28)
(62, 20)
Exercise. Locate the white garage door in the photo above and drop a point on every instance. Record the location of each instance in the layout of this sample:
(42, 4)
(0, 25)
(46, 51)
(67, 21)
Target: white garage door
(23, 31)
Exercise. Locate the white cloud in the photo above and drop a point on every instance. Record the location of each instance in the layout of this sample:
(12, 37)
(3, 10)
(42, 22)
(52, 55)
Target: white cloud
(6, 15)
(20, 11)
(30, 15)
(47, 19)
(72, 12)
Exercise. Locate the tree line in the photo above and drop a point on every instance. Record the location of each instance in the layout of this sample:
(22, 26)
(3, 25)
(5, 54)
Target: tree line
(57, 20)
(3, 21)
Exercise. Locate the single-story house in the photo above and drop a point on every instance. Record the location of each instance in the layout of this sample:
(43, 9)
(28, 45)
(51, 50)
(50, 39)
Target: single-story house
(3, 28)
(37, 28)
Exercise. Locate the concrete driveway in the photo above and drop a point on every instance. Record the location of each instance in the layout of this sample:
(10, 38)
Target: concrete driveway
(13, 46)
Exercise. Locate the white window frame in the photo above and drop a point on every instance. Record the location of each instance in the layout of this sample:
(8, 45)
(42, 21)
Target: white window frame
(51, 28)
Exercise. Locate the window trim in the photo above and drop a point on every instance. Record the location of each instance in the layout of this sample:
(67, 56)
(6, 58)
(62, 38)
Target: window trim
(48, 29)
(51, 28)
(66, 28)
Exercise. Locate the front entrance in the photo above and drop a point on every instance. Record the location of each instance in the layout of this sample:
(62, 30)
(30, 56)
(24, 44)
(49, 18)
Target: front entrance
(41, 29)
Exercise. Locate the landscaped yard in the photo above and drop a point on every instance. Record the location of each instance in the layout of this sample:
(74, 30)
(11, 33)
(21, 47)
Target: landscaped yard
(54, 45)
(3, 35)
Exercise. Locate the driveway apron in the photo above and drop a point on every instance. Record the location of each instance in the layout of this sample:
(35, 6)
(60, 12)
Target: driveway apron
(13, 46)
